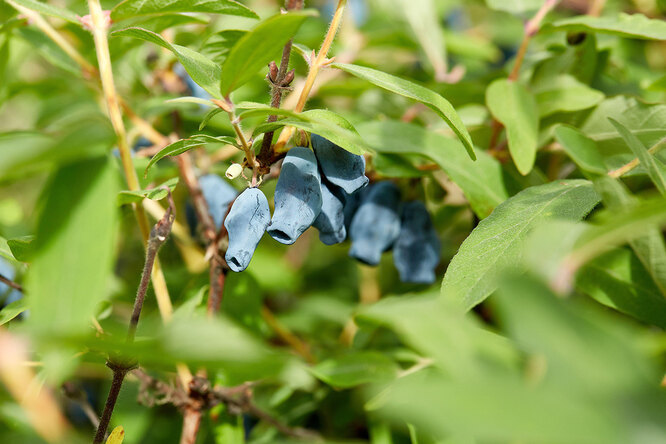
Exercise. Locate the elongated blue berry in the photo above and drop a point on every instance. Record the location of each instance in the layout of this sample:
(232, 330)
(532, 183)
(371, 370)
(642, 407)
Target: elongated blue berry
(246, 222)
(340, 167)
(416, 252)
(331, 220)
(218, 194)
(297, 196)
(376, 223)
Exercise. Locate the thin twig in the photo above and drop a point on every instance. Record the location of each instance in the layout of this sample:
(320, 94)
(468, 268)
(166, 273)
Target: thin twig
(120, 368)
(78, 396)
(624, 169)
(288, 337)
(315, 66)
(11, 283)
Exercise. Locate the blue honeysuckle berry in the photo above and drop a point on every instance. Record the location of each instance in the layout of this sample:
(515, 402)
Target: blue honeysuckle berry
(340, 167)
(416, 252)
(298, 198)
(246, 223)
(218, 194)
(376, 223)
(331, 220)
(351, 202)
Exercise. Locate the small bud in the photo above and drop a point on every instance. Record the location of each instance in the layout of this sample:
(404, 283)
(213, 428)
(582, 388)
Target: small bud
(272, 72)
(234, 170)
(288, 78)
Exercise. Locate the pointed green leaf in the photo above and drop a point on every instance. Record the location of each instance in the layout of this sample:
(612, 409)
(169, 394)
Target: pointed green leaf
(355, 369)
(184, 145)
(416, 92)
(156, 193)
(497, 242)
(482, 181)
(203, 71)
(258, 47)
(565, 93)
(133, 8)
(515, 108)
(22, 247)
(10, 311)
(654, 166)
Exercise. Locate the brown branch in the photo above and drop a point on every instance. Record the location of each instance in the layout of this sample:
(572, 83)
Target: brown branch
(120, 367)
(279, 82)
(203, 396)
(11, 283)
(75, 394)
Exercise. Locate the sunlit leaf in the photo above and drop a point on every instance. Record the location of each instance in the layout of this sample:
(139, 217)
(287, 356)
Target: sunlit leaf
(132, 8)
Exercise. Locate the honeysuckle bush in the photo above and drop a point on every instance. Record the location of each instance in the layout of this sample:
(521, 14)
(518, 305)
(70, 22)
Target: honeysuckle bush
(529, 132)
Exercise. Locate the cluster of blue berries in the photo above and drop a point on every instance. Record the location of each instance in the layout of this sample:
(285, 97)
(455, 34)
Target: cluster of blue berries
(326, 188)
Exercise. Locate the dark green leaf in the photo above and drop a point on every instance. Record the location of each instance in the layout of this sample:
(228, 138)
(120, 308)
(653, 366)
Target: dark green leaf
(12, 310)
(258, 47)
(636, 26)
(497, 242)
(582, 150)
(355, 369)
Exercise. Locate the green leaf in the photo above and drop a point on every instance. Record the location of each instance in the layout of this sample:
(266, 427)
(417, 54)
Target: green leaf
(515, 6)
(482, 180)
(654, 166)
(157, 193)
(203, 71)
(619, 280)
(72, 262)
(22, 247)
(209, 115)
(133, 8)
(416, 92)
(117, 436)
(565, 93)
(497, 242)
(49, 50)
(184, 145)
(217, 47)
(48, 9)
(355, 369)
(582, 150)
(258, 47)
(326, 123)
(194, 101)
(636, 26)
(515, 108)
(12, 310)
(650, 248)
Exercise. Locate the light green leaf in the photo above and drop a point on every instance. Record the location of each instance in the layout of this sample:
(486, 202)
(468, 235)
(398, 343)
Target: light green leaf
(258, 47)
(203, 71)
(326, 123)
(12, 310)
(636, 26)
(355, 369)
(49, 50)
(515, 108)
(515, 6)
(184, 145)
(133, 8)
(481, 181)
(497, 242)
(619, 280)
(72, 262)
(650, 248)
(22, 247)
(582, 150)
(565, 93)
(158, 193)
(193, 100)
(209, 115)
(654, 166)
(416, 92)
(48, 9)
